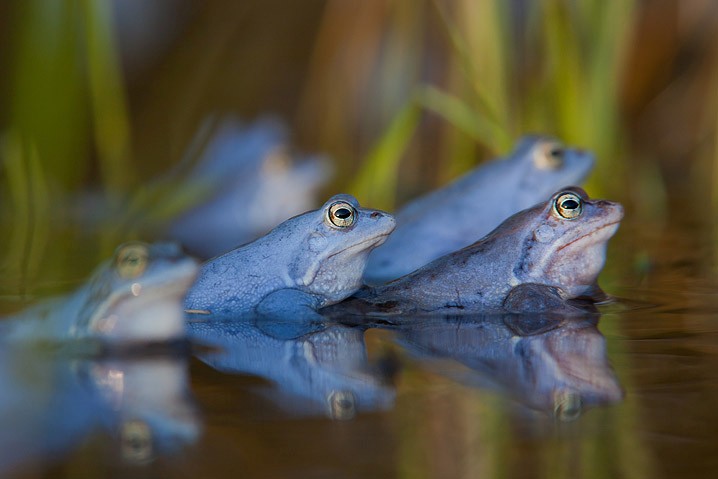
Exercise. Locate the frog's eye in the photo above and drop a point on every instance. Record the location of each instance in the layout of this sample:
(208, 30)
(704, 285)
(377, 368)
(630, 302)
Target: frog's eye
(136, 441)
(131, 260)
(341, 214)
(548, 155)
(568, 205)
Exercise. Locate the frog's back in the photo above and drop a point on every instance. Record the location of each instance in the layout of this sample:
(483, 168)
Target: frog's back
(233, 282)
(467, 209)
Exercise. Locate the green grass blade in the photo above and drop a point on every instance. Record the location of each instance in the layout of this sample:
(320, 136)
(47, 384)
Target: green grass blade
(481, 128)
(376, 181)
(112, 130)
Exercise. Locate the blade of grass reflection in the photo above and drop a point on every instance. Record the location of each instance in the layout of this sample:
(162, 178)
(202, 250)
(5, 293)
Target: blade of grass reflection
(30, 205)
(622, 422)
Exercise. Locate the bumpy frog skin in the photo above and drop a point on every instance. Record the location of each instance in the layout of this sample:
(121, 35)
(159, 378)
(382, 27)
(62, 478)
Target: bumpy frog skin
(467, 209)
(135, 297)
(557, 248)
(309, 261)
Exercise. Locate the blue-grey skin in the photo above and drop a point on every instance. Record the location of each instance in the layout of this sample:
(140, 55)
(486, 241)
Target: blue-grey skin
(455, 216)
(320, 370)
(303, 264)
(534, 261)
(50, 403)
(135, 297)
(550, 363)
(255, 185)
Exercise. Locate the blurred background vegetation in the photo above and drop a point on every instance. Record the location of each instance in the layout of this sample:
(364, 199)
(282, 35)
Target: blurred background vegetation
(404, 95)
(103, 98)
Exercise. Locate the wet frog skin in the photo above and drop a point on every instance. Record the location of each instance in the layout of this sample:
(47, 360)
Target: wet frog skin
(135, 297)
(534, 261)
(309, 261)
(467, 209)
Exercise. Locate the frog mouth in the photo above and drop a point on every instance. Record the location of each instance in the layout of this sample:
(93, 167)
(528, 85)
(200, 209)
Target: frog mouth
(598, 235)
(374, 241)
(127, 305)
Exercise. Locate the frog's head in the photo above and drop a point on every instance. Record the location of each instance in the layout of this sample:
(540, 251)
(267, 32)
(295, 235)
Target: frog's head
(334, 252)
(137, 296)
(564, 242)
(544, 165)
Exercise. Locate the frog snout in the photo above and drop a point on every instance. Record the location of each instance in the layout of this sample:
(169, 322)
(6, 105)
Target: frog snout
(385, 220)
(380, 214)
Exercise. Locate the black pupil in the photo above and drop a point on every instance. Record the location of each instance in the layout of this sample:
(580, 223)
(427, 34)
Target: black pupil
(342, 213)
(569, 204)
(556, 152)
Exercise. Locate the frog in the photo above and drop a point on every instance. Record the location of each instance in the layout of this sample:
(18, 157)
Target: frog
(458, 214)
(543, 258)
(256, 182)
(307, 262)
(135, 297)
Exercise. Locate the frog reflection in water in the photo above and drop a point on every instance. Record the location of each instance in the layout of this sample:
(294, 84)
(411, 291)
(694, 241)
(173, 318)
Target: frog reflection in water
(136, 297)
(534, 261)
(53, 403)
(309, 261)
(550, 363)
(314, 368)
(457, 215)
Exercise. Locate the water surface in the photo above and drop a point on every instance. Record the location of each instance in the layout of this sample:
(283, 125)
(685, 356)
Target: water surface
(628, 393)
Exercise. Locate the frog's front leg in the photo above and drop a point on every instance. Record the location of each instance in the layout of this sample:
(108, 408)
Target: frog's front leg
(289, 304)
(541, 298)
(289, 314)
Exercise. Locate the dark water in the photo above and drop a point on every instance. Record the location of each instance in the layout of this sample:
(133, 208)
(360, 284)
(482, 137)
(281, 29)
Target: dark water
(629, 393)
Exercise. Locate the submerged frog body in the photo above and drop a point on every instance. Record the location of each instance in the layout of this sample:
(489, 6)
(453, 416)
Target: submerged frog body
(455, 216)
(135, 297)
(535, 260)
(256, 184)
(307, 262)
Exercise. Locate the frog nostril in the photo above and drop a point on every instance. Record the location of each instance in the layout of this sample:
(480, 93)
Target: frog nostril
(375, 214)
(556, 152)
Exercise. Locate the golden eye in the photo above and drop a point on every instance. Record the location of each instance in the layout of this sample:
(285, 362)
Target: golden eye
(568, 205)
(342, 214)
(548, 155)
(131, 260)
